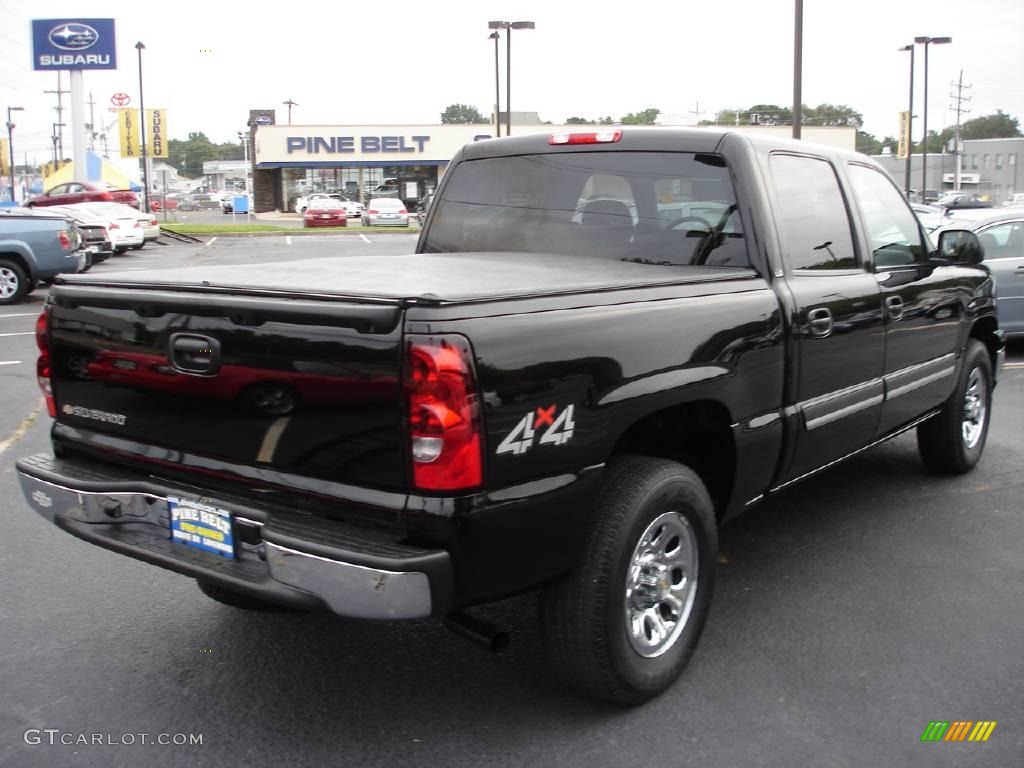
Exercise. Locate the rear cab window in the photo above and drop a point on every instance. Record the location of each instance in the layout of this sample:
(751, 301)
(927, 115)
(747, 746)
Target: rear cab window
(663, 208)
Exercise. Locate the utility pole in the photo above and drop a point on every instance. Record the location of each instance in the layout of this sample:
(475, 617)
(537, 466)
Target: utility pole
(696, 111)
(60, 111)
(290, 104)
(959, 99)
(92, 124)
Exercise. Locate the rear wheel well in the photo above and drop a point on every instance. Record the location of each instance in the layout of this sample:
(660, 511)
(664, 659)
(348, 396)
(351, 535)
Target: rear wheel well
(984, 330)
(20, 260)
(696, 434)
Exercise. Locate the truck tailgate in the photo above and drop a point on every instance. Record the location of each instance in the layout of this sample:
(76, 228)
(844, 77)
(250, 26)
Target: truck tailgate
(283, 385)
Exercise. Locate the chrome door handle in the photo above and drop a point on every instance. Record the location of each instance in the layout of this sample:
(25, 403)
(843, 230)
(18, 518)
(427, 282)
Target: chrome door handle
(820, 322)
(894, 307)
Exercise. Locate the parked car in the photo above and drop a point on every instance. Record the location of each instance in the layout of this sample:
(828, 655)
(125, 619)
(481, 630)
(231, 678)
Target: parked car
(124, 224)
(1002, 237)
(169, 202)
(1014, 200)
(35, 247)
(353, 208)
(96, 240)
(385, 212)
(325, 212)
(84, 192)
(227, 201)
(575, 408)
(930, 216)
(199, 201)
(952, 200)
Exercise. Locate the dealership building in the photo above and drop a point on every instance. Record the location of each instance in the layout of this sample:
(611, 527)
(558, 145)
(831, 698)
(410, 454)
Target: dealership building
(407, 161)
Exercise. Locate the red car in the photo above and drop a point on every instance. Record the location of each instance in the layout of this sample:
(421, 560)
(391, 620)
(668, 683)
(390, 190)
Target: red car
(157, 203)
(325, 212)
(84, 192)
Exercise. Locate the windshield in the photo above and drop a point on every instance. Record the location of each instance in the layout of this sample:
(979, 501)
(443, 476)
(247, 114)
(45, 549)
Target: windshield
(667, 208)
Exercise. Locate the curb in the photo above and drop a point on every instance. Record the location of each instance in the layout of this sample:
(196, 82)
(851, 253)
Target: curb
(300, 233)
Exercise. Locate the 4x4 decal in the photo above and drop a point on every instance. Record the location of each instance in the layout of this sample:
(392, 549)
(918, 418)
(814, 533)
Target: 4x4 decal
(559, 429)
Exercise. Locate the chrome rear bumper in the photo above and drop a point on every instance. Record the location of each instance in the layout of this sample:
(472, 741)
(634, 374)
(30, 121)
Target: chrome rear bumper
(278, 561)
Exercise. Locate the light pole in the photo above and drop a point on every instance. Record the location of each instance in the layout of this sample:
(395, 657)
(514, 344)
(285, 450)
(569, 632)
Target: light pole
(142, 114)
(798, 69)
(926, 41)
(290, 104)
(10, 142)
(496, 36)
(56, 142)
(243, 137)
(910, 121)
(508, 26)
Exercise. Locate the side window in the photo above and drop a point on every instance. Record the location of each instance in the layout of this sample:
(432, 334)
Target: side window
(893, 231)
(1003, 240)
(815, 223)
(60, 189)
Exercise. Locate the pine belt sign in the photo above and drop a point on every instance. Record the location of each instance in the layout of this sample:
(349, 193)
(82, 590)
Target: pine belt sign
(156, 133)
(73, 44)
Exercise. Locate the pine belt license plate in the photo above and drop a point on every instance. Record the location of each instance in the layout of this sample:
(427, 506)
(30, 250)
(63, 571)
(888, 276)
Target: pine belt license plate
(202, 526)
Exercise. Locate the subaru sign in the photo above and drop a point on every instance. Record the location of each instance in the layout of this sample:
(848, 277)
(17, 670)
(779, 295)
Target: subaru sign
(73, 44)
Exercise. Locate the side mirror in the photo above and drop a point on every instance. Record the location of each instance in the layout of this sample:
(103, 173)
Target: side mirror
(960, 246)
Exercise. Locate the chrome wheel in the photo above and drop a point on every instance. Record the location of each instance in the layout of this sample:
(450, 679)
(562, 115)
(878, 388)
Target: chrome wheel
(661, 584)
(9, 283)
(975, 408)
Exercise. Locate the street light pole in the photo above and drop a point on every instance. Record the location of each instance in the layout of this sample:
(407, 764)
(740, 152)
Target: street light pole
(508, 26)
(798, 68)
(496, 36)
(926, 41)
(910, 121)
(290, 104)
(10, 143)
(142, 114)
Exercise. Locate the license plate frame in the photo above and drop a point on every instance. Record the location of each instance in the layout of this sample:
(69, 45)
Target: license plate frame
(202, 525)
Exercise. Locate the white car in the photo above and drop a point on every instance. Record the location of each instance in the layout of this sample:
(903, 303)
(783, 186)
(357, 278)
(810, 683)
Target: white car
(124, 223)
(386, 212)
(1014, 201)
(352, 208)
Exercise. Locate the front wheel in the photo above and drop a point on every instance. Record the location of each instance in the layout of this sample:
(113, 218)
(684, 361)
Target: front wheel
(623, 624)
(952, 441)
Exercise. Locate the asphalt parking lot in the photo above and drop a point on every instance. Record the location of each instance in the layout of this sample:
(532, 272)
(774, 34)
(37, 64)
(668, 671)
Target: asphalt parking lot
(850, 612)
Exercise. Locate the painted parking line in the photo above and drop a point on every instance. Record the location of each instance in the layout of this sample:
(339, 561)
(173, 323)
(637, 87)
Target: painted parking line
(1013, 365)
(10, 362)
(365, 238)
(26, 333)
(21, 314)
(288, 239)
(211, 241)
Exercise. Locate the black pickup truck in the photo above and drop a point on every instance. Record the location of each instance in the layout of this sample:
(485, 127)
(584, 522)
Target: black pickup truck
(608, 343)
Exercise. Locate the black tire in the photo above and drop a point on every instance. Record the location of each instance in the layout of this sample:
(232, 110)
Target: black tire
(238, 600)
(583, 614)
(944, 442)
(13, 281)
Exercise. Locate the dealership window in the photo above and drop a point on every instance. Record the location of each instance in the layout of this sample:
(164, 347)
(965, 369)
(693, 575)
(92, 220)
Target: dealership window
(1013, 159)
(999, 161)
(974, 162)
(984, 161)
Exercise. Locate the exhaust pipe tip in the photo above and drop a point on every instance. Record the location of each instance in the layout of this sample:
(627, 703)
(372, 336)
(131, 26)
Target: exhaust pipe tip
(478, 631)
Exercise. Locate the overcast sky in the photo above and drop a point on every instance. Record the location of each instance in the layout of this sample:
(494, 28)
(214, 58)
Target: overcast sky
(403, 62)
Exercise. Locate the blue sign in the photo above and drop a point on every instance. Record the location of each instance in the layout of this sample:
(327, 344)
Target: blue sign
(73, 44)
(240, 204)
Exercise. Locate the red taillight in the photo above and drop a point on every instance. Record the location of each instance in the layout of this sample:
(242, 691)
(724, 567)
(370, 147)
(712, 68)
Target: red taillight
(106, 196)
(153, 222)
(585, 137)
(373, 212)
(137, 224)
(114, 225)
(403, 211)
(43, 363)
(65, 241)
(444, 413)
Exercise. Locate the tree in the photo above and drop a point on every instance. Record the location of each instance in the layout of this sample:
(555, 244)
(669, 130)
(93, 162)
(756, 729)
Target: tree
(869, 145)
(997, 126)
(646, 117)
(832, 114)
(578, 121)
(462, 113)
(606, 120)
(188, 156)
